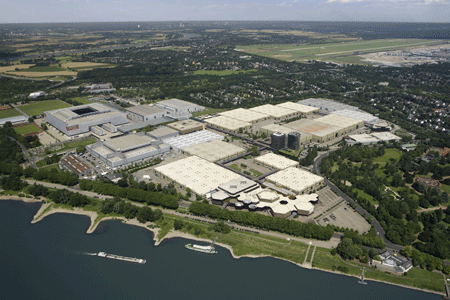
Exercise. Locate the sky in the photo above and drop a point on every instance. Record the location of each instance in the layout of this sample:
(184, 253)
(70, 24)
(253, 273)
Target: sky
(44, 11)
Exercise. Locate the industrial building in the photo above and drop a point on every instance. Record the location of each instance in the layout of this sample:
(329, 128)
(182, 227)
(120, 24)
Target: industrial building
(127, 149)
(297, 180)
(163, 133)
(326, 104)
(187, 126)
(319, 132)
(272, 128)
(277, 113)
(367, 118)
(373, 138)
(278, 141)
(79, 119)
(236, 186)
(245, 115)
(228, 124)
(275, 161)
(99, 88)
(109, 127)
(74, 164)
(345, 123)
(197, 174)
(179, 109)
(302, 109)
(98, 131)
(180, 142)
(145, 112)
(214, 150)
(36, 94)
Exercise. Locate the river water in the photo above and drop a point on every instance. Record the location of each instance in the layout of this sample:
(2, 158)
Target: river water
(50, 260)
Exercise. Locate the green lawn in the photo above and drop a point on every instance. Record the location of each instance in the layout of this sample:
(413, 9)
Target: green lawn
(52, 68)
(445, 188)
(8, 113)
(73, 145)
(389, 153)
(54, 167)
(366, 196)
(27, 129)
(222, 73)
(83, 100)
(236, 167)
(208, 111)
(255, 173)
(39, 107)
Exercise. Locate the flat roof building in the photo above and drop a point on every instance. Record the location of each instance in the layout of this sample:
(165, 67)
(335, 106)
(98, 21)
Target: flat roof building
(319, 132)
(214, 150)
(79, 119)
(302, 109)
(275, 161)
(297, 180)
(276, 112)
(179, 109)
(373, 138)
(347, 124)
(272, 128)
(145, 112)
(228, 124)
(187, 126)
(245, 115)
(196, 173)
(238, 185)
(180, 142)
(326, 104)
(354, 114)
(127, 149)
(386, 136)
(163, 133)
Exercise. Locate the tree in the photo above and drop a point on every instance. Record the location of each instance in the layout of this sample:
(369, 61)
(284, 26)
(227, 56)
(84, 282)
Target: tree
(348, 250)
(178, 224)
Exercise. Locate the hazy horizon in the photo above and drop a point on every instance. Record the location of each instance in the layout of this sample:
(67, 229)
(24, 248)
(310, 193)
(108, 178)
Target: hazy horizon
(64, 11)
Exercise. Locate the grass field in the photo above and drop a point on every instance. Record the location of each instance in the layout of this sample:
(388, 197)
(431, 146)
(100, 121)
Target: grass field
(344, 51)
(84, 100)
(44, 74)
(84, 65)
(221, 73)
(390, 153)
(27, 129)
(208, 111)
(8, 113)
(73, 145)
(38, 108)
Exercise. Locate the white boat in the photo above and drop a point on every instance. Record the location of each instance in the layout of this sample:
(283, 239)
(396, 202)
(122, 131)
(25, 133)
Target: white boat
(204, 249)
(124, 258)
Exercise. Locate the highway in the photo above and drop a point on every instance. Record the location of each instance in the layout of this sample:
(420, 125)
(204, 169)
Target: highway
(358, 208)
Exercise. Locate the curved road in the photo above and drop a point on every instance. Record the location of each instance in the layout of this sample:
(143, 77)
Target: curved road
(31, 159)
(358, 208)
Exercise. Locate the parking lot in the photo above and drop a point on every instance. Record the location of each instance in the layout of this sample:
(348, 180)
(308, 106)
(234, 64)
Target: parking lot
(345, 216)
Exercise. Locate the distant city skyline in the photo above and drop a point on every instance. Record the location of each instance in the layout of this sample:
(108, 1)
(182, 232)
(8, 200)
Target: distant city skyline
(45, 11)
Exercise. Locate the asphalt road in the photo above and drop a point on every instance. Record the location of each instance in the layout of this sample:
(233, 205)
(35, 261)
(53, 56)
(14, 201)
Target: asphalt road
(31, 159)
(358, 208)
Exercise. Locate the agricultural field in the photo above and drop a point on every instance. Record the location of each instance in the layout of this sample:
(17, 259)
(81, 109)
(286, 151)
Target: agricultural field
(8, 113)
(14, 67)
(85, 65)
(43, 74)
(38, 108)
(347, 51)
(27, 129)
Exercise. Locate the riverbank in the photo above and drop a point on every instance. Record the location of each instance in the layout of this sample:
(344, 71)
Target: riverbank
(48, 209)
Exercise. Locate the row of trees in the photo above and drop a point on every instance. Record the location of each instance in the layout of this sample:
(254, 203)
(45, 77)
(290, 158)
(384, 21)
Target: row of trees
(132, 193)
(291, 227)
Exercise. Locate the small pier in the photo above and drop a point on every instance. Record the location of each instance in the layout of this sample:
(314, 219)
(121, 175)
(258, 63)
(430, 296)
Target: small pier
(447, 290)
(361, 281)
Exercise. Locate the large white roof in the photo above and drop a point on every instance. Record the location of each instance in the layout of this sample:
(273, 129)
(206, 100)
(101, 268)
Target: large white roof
(228, 123)
(313, 127)
(276, 161)
(214, 150)
(198, 174)
(295, 179)
(339, 121)
(128, 142)
(190, 139)
(305, 109)
(385, 136)
(363, 116)
(274, 111)
(244, 115)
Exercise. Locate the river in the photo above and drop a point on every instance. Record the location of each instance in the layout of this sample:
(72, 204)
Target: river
(50, 260)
